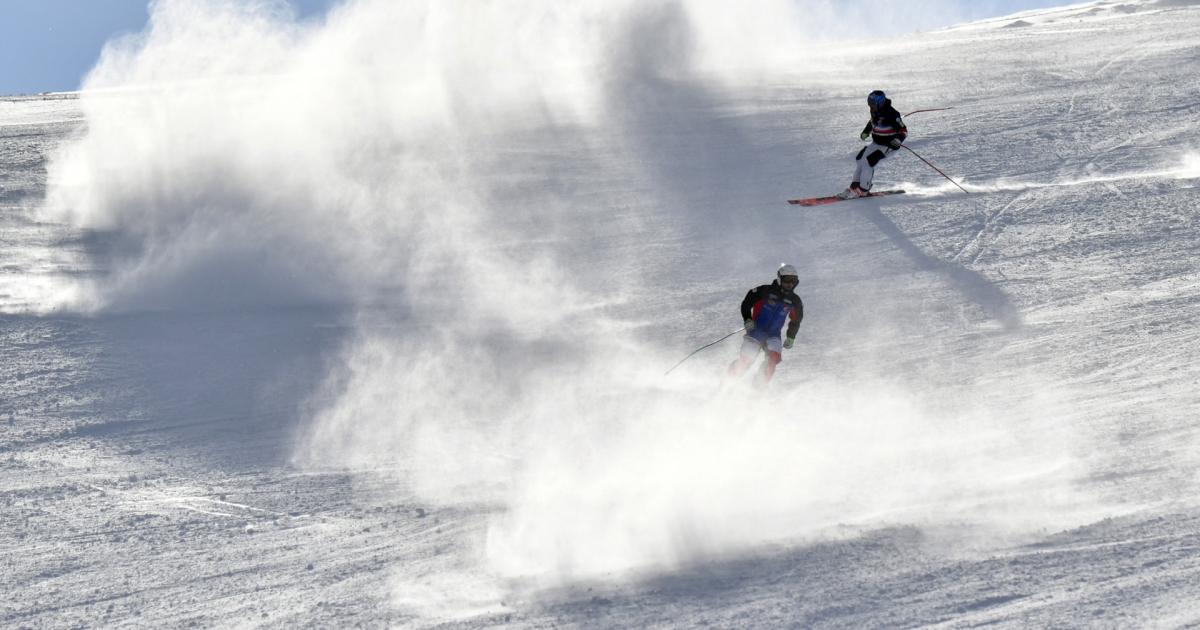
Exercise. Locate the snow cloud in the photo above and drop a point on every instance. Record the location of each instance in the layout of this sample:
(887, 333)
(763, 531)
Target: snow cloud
(1190, 169)
(420, 162)
(333, 160)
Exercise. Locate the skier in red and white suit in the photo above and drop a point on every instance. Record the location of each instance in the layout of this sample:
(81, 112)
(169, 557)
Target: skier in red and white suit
(765, 310)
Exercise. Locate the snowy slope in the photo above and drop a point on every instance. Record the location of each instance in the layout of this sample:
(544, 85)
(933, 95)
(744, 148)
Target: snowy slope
(364, 323)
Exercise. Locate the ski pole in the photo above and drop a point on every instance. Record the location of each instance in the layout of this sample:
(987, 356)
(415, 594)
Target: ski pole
(701, 348)
(935, 109)
(935, 168)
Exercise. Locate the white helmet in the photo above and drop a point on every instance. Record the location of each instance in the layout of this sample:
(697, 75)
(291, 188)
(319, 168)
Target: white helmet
(787, 270)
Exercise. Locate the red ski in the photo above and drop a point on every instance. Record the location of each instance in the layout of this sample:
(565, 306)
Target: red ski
(820, 201)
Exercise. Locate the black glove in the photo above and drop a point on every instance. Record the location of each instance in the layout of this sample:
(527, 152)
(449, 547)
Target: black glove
(895, 143)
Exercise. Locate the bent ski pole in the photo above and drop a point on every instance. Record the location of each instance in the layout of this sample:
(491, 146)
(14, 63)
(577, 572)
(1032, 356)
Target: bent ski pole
(701, 348)
(935, 109)
(935, 168)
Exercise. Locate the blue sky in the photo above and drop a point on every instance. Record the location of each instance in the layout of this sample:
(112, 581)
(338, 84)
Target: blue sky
(49, 45)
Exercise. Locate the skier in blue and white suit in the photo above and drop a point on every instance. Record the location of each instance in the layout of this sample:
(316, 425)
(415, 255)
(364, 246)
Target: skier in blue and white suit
(765, 310)
(887, 133)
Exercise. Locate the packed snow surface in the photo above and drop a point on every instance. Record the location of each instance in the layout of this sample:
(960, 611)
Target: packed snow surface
(363, 322)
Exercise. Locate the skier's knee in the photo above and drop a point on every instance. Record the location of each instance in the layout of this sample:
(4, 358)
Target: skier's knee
(739, 366)
(875, 157)
(860, 153)
(768, 368)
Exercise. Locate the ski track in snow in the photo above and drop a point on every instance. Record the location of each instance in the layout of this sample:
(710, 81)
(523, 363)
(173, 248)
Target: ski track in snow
(1047, 320)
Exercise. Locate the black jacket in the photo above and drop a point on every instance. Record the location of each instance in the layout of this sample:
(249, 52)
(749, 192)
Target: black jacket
(769, 306)
(885, 124)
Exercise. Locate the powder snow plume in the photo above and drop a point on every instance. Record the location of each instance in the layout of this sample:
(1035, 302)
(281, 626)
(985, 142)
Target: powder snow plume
(457, 175)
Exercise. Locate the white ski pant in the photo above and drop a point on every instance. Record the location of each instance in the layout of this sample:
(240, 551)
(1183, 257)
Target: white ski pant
(865, 161)
(751, 346)
(749, 352)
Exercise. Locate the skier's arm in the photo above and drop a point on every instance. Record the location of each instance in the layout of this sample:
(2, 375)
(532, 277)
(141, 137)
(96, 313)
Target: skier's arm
(866, 132)
(748, 304)
(794, 324)
(897, 123)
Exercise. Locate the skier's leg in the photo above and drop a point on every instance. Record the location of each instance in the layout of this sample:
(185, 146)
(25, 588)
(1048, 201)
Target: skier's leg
(739, 367)
(768, 369)
(774, 356)
(872, 155)
(856, 183)
(746, 356)
(853, 190)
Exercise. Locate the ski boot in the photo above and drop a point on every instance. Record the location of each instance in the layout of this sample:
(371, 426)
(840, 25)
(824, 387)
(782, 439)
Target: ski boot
(853, 191)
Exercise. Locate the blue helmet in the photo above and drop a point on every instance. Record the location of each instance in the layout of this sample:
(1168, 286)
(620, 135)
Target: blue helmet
(876, 98)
